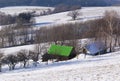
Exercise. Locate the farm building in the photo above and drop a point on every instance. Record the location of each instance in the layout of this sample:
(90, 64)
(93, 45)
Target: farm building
(60, 53)
(65, 51)
(95, 48)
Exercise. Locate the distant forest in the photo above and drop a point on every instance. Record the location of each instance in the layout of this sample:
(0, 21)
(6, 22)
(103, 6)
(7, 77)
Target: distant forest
(51, 3)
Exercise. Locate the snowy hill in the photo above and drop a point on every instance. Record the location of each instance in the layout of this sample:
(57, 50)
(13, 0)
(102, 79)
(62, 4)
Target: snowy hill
(98, 68)
(14, 10)
(92, 68)
(88, 13)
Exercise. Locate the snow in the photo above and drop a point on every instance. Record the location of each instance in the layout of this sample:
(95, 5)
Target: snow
(92, 68)
(87, 13)
(12, 50)
(14, 10)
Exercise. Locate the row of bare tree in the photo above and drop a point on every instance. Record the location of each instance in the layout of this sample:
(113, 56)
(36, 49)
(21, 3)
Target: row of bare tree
(22, 57)
(6, 19)
(17, 33)
(105, 29)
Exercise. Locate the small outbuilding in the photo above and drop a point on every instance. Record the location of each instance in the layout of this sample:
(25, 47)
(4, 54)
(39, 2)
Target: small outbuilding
(59, 52)
(65, 51)
(96, 48)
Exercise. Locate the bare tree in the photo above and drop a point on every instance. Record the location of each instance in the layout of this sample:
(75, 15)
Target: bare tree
(39, 50)
(10, 60)
(110, 18)
(1, 56)
(6, 19)
(2, 37)
(23, 56)
(74, 14)
(34, 56)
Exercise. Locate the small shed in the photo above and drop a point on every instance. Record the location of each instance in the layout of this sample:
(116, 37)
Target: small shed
(96, 48)
(62, 51)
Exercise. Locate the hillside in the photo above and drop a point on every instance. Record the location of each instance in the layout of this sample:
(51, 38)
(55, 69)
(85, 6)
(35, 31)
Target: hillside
(14, 10)
(4, 3)
(88, 13)
(98, 68)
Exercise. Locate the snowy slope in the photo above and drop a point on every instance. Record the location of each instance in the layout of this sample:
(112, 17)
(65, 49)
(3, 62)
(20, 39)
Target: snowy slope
(14, 10)
(88, 13)
(98, 68)
(12, 50)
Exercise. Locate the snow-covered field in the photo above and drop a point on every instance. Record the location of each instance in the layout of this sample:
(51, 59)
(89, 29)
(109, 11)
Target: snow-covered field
(14, 10)
(98, 68)
(87, 13)
(13, 50)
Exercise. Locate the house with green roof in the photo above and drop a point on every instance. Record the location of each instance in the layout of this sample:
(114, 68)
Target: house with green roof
(64, 51)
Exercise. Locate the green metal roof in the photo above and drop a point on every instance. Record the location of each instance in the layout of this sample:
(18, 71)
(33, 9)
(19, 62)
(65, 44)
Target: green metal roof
(60, 50)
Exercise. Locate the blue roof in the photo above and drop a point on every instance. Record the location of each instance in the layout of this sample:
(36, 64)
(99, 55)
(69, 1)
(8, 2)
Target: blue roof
(95, 47)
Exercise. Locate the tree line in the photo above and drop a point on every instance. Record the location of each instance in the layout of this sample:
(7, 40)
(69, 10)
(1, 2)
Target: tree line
(23, 32)
(13, 32)
(22, 57)
(105, 29)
